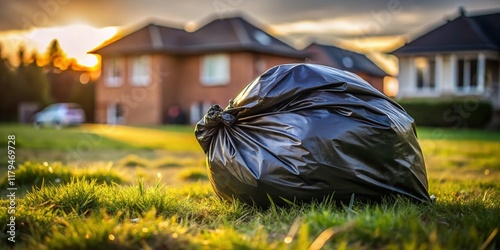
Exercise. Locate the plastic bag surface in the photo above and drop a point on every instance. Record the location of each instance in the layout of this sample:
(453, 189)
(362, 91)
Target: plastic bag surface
(301, 132)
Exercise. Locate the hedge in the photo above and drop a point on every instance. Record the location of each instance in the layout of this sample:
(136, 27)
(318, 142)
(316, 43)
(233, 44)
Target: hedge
(465, 112)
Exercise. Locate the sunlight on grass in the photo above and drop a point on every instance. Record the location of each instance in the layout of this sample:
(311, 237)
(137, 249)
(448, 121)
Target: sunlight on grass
(462, 159)
(193, 174)
(32, 174)
(133, 161)
(82, 214)
(166, 209)
(162, 162)
(27, 137)
(147, 137)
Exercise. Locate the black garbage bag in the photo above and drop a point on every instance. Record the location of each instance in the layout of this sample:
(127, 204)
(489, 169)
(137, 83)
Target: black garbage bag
(303, 132)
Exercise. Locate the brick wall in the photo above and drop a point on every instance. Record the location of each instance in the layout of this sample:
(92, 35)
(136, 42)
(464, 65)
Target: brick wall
(375, 81)
(141, 105)
(176, 81)
(245, 66)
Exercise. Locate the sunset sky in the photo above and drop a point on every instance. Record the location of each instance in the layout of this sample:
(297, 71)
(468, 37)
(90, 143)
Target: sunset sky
(373, 27)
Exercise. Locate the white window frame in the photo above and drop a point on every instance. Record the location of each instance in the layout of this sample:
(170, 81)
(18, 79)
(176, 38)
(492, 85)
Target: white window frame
(140, 70)
(114, 65)
(467, 87)
(427, 75)
(215, 70)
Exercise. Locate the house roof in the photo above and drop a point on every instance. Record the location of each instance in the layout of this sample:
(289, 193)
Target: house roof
(349, 60)
(228, 34)
(464, 33)
(150, 38)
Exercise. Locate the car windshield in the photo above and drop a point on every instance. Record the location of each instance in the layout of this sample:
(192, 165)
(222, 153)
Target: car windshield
(68, 106)
(51, 107)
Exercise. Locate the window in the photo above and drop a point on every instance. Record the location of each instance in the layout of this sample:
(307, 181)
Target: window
(114, 72)
(492, 74)
(198, 110)
(467, 74)
(115, 113)
(262, 38)
(140, 71)
(426, 72)
(215, 70)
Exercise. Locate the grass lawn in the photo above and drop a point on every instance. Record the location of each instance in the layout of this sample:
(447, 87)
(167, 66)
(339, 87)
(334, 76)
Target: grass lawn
(102, 187)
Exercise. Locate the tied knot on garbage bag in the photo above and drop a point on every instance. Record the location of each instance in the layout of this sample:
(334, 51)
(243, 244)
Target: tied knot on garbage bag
(215, 115)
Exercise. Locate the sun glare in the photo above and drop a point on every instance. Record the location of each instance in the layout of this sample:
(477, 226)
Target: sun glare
(332, 25)
(75, 40)
(88, 60)
(391, 86)
(190, 26)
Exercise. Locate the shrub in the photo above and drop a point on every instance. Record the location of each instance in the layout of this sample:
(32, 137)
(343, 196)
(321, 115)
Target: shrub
(467, 112)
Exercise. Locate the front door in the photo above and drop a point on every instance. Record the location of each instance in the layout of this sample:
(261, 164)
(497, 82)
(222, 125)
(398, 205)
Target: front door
(198, 110)
(115, 113)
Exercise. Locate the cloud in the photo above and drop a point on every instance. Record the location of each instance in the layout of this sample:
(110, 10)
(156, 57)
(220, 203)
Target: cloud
(334, 26)
(42, 13)
(290, 18)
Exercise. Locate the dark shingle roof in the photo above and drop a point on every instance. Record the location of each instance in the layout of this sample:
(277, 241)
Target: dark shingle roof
(150, 38)
(237, 34)
(490, 26)
(228, 34)
(349, 60)
(464, 33)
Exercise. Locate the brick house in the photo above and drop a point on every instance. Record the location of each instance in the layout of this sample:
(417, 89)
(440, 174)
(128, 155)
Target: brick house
(157, 71)
(359, 64)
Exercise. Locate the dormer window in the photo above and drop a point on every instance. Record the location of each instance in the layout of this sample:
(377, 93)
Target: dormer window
(262, 38)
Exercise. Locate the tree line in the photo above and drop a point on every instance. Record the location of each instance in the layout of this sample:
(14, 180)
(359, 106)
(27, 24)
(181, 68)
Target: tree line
(38, 79)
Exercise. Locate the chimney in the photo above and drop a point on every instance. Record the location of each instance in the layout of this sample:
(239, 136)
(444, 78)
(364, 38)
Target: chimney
(461, 10)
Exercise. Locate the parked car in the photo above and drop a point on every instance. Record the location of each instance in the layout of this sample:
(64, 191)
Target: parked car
(60, 114)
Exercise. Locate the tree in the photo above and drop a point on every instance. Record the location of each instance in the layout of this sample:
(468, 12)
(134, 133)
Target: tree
(7, 95)
(55, 56)
(20, 54)
(31, 82)
(83, 94)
